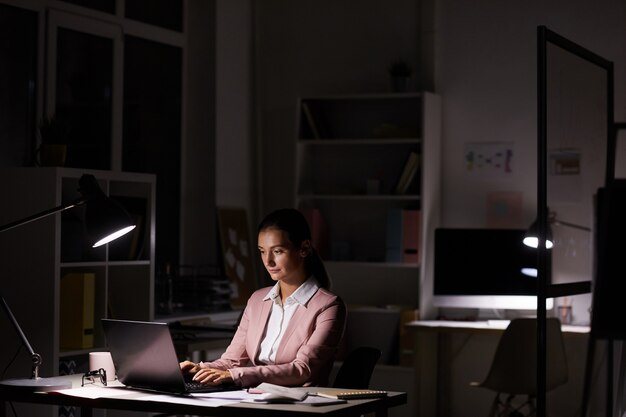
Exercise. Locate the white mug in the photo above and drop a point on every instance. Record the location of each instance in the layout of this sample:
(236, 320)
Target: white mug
(102, 360)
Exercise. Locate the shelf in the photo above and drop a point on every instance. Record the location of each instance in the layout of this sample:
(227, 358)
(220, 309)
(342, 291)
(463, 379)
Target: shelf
(103, 263)
(392, 265)
(95, 264)
(351, 155)
(360, 141)
(79, 352)
(201, 316)
(569, 288)
(371, 197)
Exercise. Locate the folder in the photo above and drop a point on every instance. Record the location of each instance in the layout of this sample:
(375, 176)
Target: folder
(319, 231)
(394, 236)
(411, 220)
(77, 310)
(403, 235)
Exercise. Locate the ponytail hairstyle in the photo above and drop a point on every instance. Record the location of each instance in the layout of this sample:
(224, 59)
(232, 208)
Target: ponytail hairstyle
(293, 222)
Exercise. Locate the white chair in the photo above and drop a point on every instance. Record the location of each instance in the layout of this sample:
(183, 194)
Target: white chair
(513, 371)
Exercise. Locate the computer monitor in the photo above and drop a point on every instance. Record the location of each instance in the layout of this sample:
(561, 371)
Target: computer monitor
(484, 269)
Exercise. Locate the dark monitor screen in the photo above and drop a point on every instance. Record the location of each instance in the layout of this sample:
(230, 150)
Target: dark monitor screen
(483, 268)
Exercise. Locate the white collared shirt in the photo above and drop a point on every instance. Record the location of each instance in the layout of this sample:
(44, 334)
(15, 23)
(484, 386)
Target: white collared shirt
(281, 316)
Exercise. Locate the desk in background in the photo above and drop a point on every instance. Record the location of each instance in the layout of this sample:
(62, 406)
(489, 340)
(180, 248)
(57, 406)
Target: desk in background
(349, 409)
(433, 355)
(202, 336)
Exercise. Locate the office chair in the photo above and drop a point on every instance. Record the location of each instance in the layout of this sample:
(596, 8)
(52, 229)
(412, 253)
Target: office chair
(356, 370)
(513, 371)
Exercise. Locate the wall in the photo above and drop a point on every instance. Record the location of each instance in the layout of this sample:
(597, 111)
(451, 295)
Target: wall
(198, 196)
(234, 99)
(309, 48)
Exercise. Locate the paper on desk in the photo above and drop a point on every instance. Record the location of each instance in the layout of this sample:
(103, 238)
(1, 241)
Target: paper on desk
(227, 395)
(94, 391)
(310, 400)
(189, 400)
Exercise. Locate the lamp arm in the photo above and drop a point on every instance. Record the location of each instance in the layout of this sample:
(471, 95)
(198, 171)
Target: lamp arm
(79, 201)
(88, 187)
(572, 225)
(35, 357)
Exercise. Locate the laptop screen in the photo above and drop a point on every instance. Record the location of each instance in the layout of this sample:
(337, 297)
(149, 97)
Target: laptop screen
(144, 355)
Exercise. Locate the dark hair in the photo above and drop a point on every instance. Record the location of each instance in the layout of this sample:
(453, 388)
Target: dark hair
(293, 222)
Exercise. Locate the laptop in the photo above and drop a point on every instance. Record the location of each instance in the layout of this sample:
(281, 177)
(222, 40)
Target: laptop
(145, 358)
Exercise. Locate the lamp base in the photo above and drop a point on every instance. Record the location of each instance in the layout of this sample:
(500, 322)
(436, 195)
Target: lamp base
(37, 384)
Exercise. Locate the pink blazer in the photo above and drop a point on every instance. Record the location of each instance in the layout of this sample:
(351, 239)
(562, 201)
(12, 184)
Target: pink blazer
(306, 352)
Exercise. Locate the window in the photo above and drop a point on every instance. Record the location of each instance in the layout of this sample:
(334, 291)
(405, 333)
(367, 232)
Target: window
(107, 6)
(152, 126)
(114, 83)
(84, 84)
(18, 83)
(164, 13)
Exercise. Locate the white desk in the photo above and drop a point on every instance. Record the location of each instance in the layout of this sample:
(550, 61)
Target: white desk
(352, 408)
(433, 355)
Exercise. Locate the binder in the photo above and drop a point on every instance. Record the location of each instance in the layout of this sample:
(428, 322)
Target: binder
(319, 231)
(394, 236)
(77, 310)
(411, 220)
(310, 120)
(403, 234)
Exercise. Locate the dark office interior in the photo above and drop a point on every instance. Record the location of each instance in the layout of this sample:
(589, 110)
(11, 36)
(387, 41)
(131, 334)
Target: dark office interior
(192, 113)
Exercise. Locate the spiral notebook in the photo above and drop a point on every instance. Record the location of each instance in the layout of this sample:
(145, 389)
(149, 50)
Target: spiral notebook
(350, 394)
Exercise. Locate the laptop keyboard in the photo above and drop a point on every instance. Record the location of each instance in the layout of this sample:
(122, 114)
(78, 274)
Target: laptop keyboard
(194, 386)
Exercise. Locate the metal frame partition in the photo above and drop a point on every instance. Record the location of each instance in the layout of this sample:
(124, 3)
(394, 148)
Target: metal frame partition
(545, 288)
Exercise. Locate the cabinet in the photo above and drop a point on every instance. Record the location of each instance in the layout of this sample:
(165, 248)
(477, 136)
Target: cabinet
(351, 151)
(35, 258)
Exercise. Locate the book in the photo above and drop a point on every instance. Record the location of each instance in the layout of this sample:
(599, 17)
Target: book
(411, 220)
(309, 118)
(280, 392)
(393, 245)
(408, 173)
(350, 394)
(130, 246)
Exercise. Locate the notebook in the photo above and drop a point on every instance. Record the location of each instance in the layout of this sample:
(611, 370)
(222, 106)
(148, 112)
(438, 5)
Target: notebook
(145, 358)
(349, 394)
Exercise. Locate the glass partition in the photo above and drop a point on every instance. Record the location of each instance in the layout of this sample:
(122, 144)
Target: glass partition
(577, 98)
(576, 152)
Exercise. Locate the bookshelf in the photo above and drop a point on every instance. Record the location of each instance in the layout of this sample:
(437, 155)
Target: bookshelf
(352, 154)
(47, 265)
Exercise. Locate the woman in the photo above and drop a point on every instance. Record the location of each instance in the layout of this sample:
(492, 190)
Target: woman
(289, 333)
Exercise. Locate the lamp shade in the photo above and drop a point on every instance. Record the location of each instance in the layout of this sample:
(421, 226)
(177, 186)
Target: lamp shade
(105, 218)
(531, 238)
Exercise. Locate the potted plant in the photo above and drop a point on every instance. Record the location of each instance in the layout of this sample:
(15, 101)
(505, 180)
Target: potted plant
(53, 148)
(400, 73)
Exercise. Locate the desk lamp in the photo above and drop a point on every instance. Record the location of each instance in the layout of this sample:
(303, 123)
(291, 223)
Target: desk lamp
(105, 220)
(531, 237)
